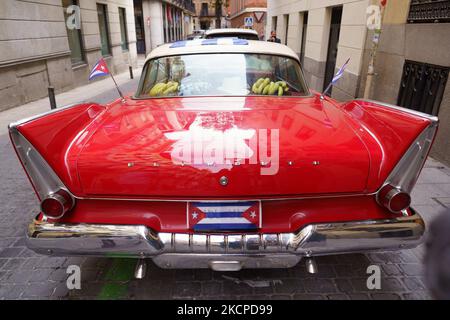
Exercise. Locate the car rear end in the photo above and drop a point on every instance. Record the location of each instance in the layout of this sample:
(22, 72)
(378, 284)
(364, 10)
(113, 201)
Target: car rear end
(108, 188)
(284, 230)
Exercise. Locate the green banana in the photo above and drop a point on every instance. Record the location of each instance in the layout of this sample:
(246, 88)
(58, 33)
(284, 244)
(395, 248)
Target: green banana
(259, 81)
(263, 85)
(254, 87)
(274, 88)
(257, 84)
(260, 89)
(266, 89)
(282, 83)
(280, 91)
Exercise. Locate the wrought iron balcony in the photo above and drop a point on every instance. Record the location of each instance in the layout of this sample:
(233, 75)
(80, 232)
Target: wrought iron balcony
(427, 11)
(207, 12)
(186, 4)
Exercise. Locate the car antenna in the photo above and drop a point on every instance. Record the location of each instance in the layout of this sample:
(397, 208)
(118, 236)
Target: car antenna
(336, 77)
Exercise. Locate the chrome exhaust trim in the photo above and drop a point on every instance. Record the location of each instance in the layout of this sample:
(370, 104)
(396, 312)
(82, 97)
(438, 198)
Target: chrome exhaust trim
(311, 266)
(141, 269)
(177, 250)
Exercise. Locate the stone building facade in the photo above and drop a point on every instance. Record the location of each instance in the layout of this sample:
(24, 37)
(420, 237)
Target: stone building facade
(38, 50)
(412, 62)
(240, 9)
(159, 22)
(205, 11)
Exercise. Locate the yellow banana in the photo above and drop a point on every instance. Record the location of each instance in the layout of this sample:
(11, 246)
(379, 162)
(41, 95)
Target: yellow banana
(170, 89)
(155, 89)
(161, 89)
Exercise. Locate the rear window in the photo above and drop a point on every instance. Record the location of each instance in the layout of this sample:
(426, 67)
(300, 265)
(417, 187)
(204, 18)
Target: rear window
(222, 74)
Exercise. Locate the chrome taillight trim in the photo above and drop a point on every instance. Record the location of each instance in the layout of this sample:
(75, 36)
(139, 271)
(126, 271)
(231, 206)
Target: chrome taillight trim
(386, 199)
(64, 199)
(45, 181)
(405, 174)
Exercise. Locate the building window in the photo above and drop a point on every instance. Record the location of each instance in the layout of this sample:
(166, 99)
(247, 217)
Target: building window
(164, 15)
(123, 29)
(304, 33)
(422, 86)
(274, 23)
(286, 28)
(102, 13)
(204, 10)
(74, 37)
(429, 11)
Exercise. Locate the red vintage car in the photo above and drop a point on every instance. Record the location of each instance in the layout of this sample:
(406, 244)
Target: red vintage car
(224, 158)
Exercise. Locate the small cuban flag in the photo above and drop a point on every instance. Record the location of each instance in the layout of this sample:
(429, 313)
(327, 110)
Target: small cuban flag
(224, 216)
(100, 69)
(340, 72)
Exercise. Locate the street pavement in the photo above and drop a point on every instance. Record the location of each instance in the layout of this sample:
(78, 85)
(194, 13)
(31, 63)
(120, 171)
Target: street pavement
(26, 275)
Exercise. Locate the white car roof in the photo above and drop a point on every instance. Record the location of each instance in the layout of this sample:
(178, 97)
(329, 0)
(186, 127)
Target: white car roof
(230, 30)
(221, 45)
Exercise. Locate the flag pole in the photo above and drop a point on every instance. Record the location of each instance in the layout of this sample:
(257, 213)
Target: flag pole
(101, 69)
(117, 87)
(336, 77)
(322, 96)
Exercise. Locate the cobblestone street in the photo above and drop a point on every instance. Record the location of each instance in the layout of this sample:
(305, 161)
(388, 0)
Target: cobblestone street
(25, 275)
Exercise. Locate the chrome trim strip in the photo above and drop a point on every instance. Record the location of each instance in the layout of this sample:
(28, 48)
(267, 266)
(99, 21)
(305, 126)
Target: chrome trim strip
(13, 125)
(414, 112)
(139, 241)
(229, 200)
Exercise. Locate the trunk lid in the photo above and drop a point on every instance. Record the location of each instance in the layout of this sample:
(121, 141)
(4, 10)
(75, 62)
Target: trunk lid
(170, 148)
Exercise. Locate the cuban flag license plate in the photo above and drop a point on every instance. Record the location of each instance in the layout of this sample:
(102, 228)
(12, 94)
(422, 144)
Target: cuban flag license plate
(224, 216)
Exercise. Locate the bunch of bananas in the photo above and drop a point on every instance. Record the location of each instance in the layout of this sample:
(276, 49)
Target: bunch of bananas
(164, 89)
(266, 87)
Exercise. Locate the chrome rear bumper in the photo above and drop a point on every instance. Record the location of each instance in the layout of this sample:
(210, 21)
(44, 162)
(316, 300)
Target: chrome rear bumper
(177, 250)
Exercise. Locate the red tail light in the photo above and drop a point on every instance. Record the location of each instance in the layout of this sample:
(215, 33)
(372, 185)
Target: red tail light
(394, 199)
(55, 205)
